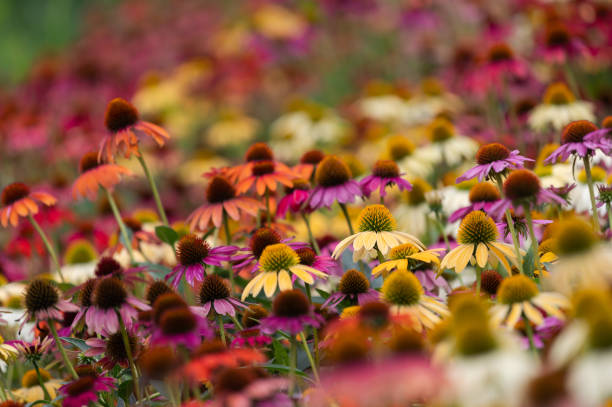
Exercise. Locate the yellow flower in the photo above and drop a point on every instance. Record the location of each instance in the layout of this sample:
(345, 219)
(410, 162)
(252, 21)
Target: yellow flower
(31, 390)
(405, 257)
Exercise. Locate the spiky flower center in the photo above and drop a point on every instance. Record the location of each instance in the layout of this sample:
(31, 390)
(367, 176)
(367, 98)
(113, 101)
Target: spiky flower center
(440, 130)
(374, 314)
(353, 282)
(108, 266)
(307, 256)
(262, 238)
(517, 288)
(312, 157)
(191, 250)
(277, 257)
(558, 94)
(157, 289)
(253, 315)
(490, 281)
(263, 168)
(166, 302)
(80, 386)
(115, 348)
(575, 236)
(14, 192)
(403, 251)
(476, 228)
(606, 123)
(402, 288)
(40, 295)
(213, 288)
(399, 147)
(158, 361)
(376, 218)
(299, 184)
(490, 153)
(521, 184)
(219, 190)
(120, 114)
(30, 378)
(605, 194)
(89, 161)
(259, 152)
(386, 169)
(557, 35)
(500, 53)
(484, 192)
(109, 293)
(177, 321)
(416, 196)
(332, 171)
(574, 132)
(86, 293)
(291, 304)
(233, 380)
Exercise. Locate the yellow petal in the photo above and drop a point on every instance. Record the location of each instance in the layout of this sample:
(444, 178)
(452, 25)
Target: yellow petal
(532, 314)
(514, 315)
(302, 274)
(482, 254)
(284, 281)
(270, 284)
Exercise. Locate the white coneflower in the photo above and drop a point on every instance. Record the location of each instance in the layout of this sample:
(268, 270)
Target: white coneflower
(558, 108)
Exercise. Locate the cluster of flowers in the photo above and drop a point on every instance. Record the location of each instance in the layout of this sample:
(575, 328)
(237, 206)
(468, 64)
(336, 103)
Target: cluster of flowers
(446, 244)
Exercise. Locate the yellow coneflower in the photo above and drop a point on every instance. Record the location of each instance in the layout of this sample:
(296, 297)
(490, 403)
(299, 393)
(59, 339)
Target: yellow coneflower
(376, 231)
(406, 257)
(478, 245)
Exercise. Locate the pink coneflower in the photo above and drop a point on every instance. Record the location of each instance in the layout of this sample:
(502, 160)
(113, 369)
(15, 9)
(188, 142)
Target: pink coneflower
(385, 173)
(113, 349)
(249, 386)
(109, 298)
(334, 183)
(354, 286)
(215, 296)
(493, 159)
(193, 254)
(291, 312)
(482, 197)
(558, 45)
(85, 294)
(499, 66)
(85, 389)
(604, 133)
(222, 200)
(295, 198)
(123, 124)
(575, 141)
(18, 201)
(43, 302)
(321, 262)
(109, 267)
(95, 175)
(180, 326)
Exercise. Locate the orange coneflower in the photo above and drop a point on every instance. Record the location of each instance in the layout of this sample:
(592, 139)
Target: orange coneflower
(256, 154)
(95, 175)
(264, 176)
(123, 122)
(18, 201)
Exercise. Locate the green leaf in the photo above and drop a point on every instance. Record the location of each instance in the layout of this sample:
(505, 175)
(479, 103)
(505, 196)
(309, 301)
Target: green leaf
(166, 234)
(282, 368)
(157, 270)
(281, 356)
(76, 342)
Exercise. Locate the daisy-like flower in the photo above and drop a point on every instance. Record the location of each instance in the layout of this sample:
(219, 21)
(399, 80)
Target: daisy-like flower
(265, 176)
(31, 390)
(222, 199)
(85, 389)
(407, 256)
(500, 65)
(323, 263)
(248, 386)
(277, 263)
(605, 132)
(18, 201)
(574, 141)
(256, 154)
(291, 312)
(179, 325)
(447, 147)
(493, 159)
(376, 231)
(334, 183)
(559, 107)
(95, 175)
(482, 197)
(123, 124)
(43, 302)
(353, 285)
(385, 173)
(518, 296)
(215, 296)
(477, 238)
(308, 162)
(109, 298)
(33, 350)
(405, 294)
(295, 198)
(112, 348)
(559, 44)
(193, 254)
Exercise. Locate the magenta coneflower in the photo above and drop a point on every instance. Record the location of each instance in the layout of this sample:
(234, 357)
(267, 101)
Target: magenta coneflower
(323, 263)
(193, 254)
(604, 133)
(85, 294)
(109, 267)
(575, 141)
(354, 286)
(112, 347)
(43, 302)
(110, 300)
(295, 198)
(558, 44)
(493, 159)
(385, 173)
(85, 389)
(334, 183)
(291, 312)
(251, 338)
(215, 296)
(179, 325)
(482, 197)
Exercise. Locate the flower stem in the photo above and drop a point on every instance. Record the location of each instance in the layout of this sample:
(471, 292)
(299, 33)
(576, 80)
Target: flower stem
(59, 345)
(313, 241)
(347, 217)
(510, 222)
(529, 332)
(441, 229)
(41, 383)
(609, 210)
(47, 244)
(478, 280)
(589, 176)
(158, 203)
(221, 329)
(228, 239)
(292, 367)
(238, 324)
(122, 227)
(313, 365)
(532, 236)
(128, 350)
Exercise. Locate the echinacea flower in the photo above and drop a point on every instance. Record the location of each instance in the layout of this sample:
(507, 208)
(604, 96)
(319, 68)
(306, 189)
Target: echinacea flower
(405, 294)
(277, 263)
(559, 44)
(123, 123)
(558, 108)
(291, 312)
(18, 201)
(605, 132)
(295, 198)
(493, 159)
(334, 183)
(575, 142)
(95, 175)
(31, 390)
(222, 200)
(84, 390)
(256, 154)
(33, 350)
(215, 296)
(478, 244)
(501, 65)
(385, 173)
(407, 256)
(482, 197)
(43, 302)
(518, 296)
(355, 286)
(308, 162)
(179, 325)
(265, 176)
(447, 146)
(194, 254)
(112, 348)
(376, 231)
(321, 262)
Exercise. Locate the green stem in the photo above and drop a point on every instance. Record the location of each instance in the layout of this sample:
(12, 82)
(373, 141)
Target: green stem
(158, 203)
(313, 365)
(381, 258)
(122, 227)
(587, 170)
(478, 280)
(313, 241)
(47, 244)
(308, 292)
(128, 350)
(347, 217)
(3, 391)
(529, 332)
(228, 239)
(609, 210)
(59, 345)
(532, 236)
(221, 329)
(41, 382)
(238, 324)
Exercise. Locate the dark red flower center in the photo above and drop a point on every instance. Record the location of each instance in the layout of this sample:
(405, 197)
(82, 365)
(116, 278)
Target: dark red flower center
(557, 36)
(262, 238)
(80, 386)
(191, 250)
(14, 192)
(219, 190)
(177, 321)
(86, 293)
(166, 302)
(157, 289)
(108, 266)
(484, 192)
(332, 171)
(575, 131)
(115, 349)
(120, 114)
(500, 53)
(312, 157)
(386, 169)
(213, 288)
(40, 295)
(259, 152)
(263, 168)
(109, 293)
(353, 282)
(521, 184)
(291, 304)
(307, 256)
(89, 161)
(491, 152)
